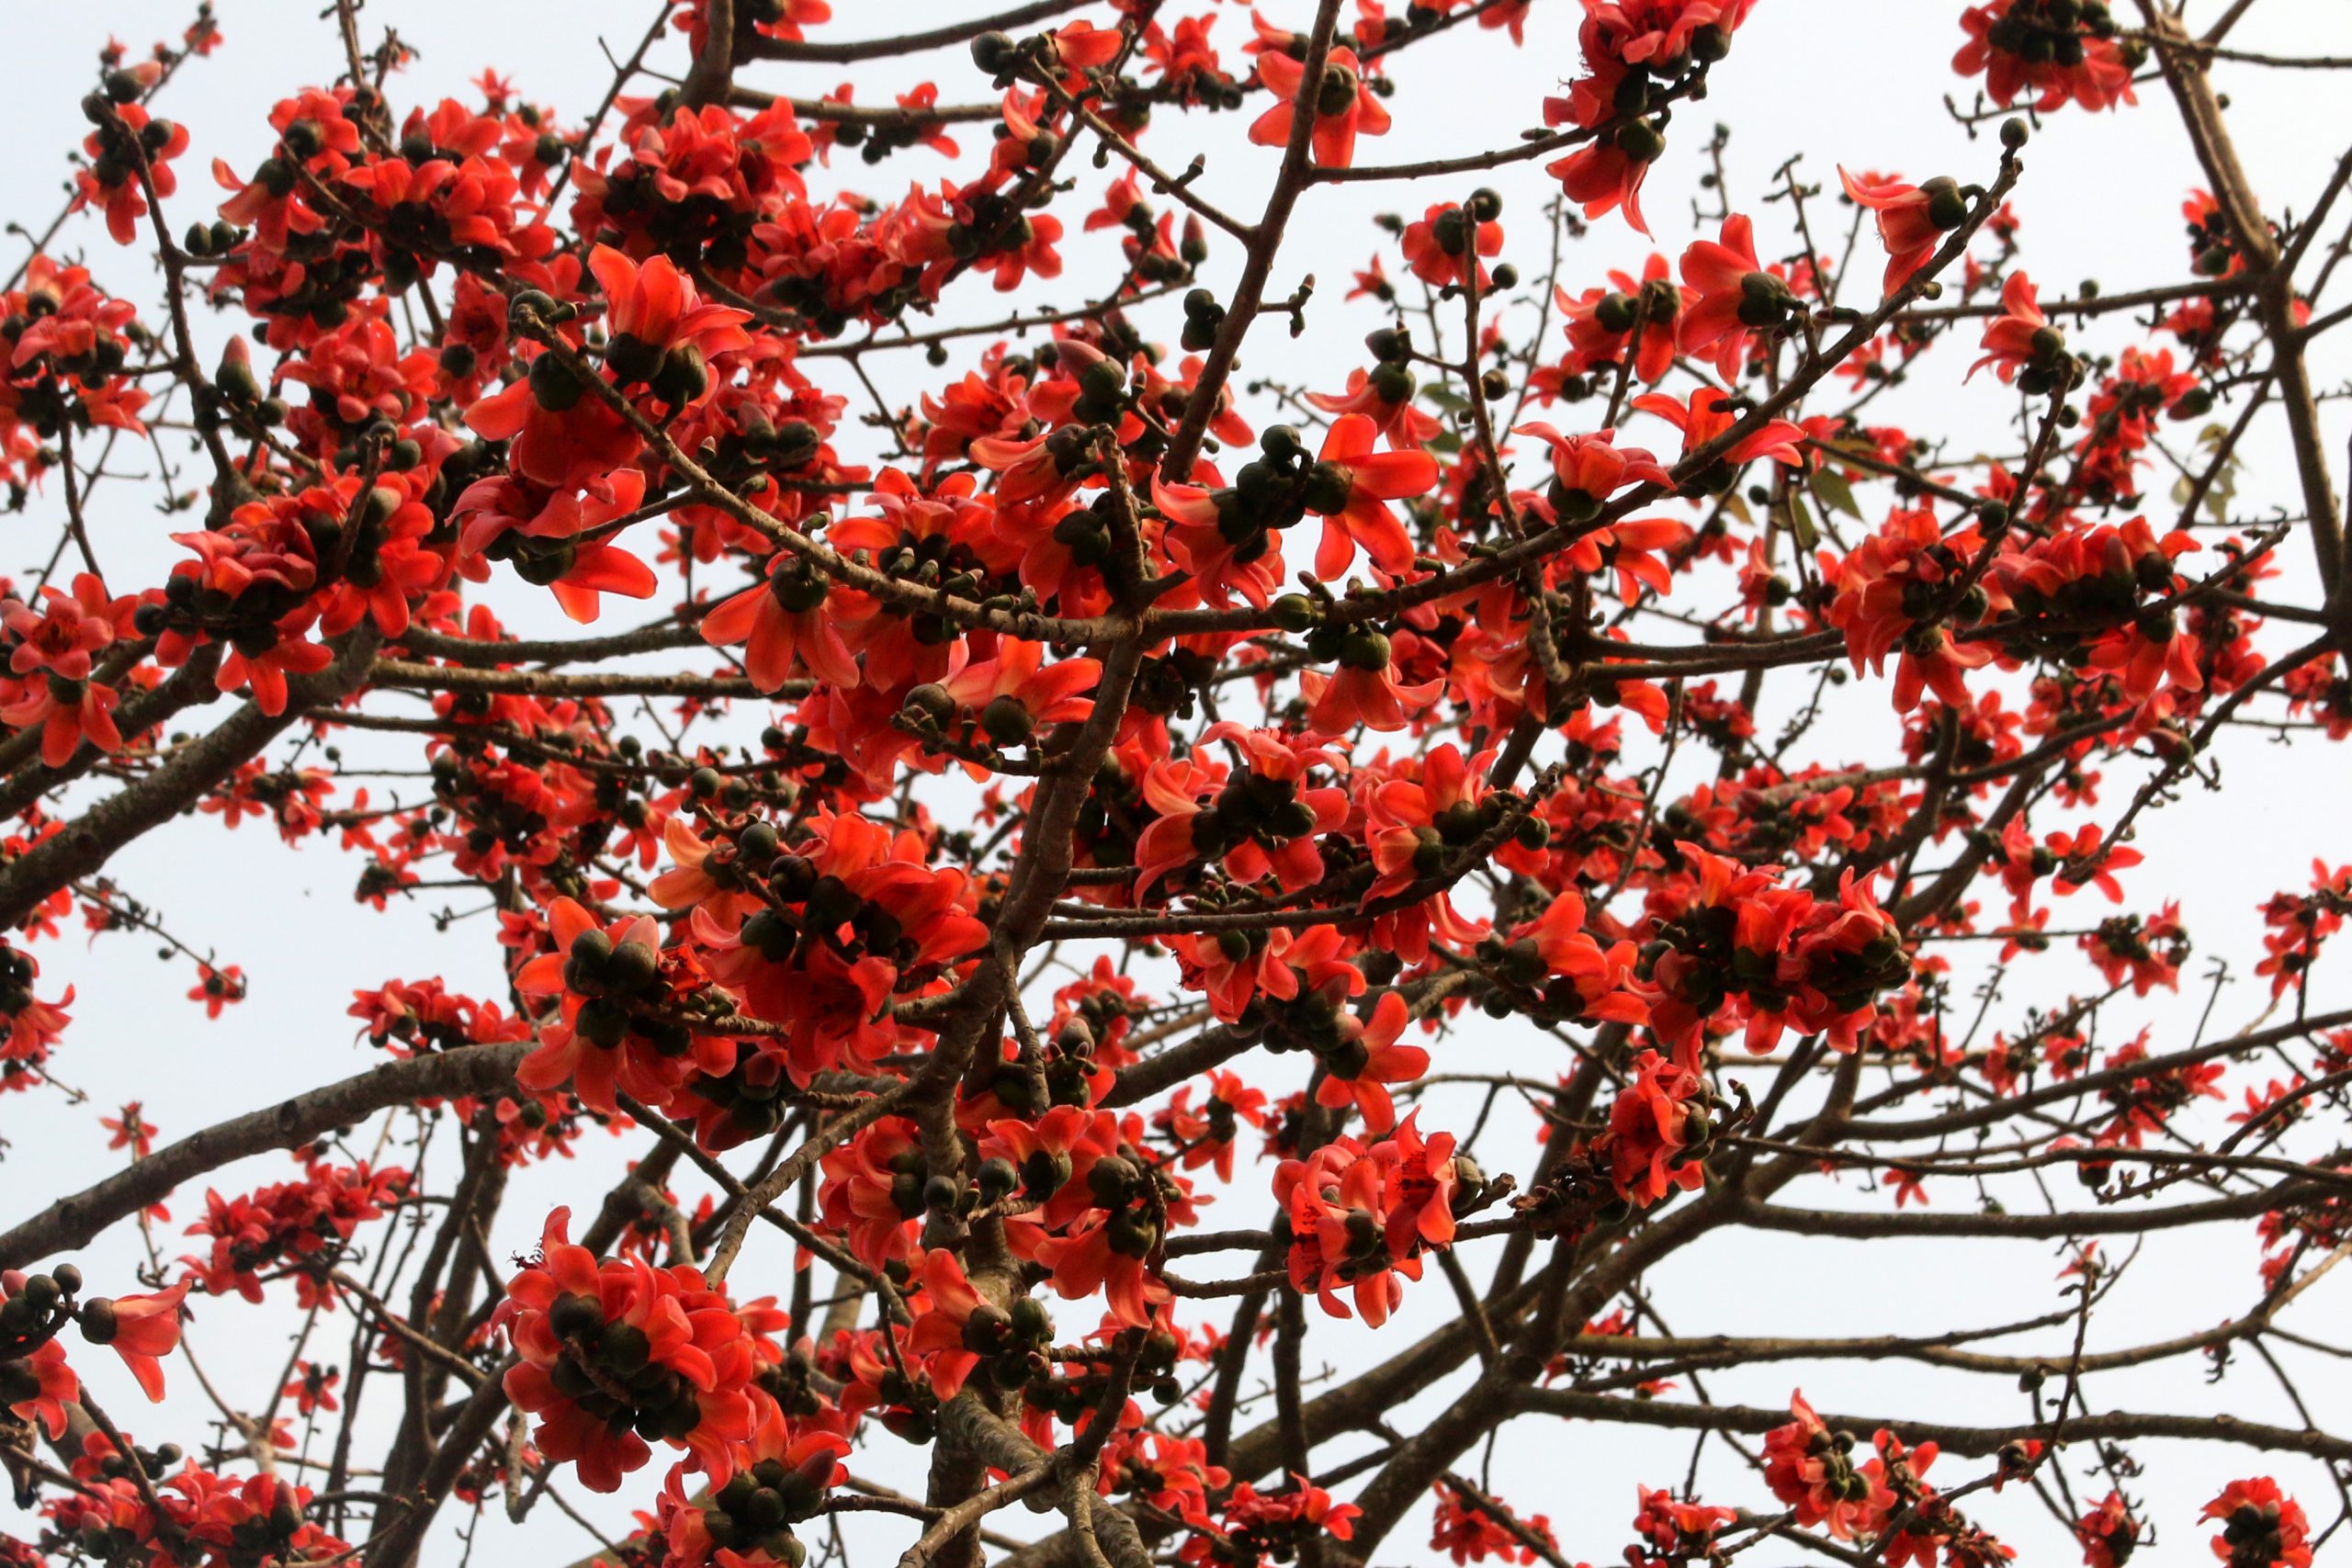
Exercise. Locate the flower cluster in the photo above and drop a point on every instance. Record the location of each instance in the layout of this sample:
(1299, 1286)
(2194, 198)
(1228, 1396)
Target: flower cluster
(294, 1229)
(1128, 767)
(616, 1354)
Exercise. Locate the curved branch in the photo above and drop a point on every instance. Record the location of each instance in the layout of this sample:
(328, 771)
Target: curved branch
(2118, 1425)
(87, 842)
(855, 50)
(74, 1221)
(1864, 1225)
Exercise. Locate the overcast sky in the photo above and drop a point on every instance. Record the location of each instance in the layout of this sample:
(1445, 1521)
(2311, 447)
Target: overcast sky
(1858, 82)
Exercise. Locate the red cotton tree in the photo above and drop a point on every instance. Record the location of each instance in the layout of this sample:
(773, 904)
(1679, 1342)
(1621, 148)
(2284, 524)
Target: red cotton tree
(1316, 950)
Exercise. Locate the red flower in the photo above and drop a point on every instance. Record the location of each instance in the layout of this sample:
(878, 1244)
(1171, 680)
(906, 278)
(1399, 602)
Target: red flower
(1350, 486)
(132, 1130)
(67, 711)
(1254, 1517)
(1344, 103)
(1734, 936)
(1368, 1059)
(1233, 967)
(1207, 1136)
(392, 562)
(873, 1192)
(1888, 594)
(1014, 691)
(1414, 828)
(118, 149)
(1363, 689)
(1440, 245)
(943, 1329)
(1737, 295)
(1653, 1128)
(1386, 397)
(61, 637)
(1195, 539)
(563, 434)
(662, 333)
(1080, 45)
(598, 971)
(1588, 471)
(1184, 58)
(780, 1475)
(1710, 415)
(266, 668)
(1034, 253)
(558, 538)
(2297, 926)
(787, 620)
(1607, 174)
(2261, 1527)
(35, 1385)
(303, 1226)
(1373, 280)
(1813, 1469)
(2021, 338)
(1261, 822)
(1912, 220)
(312, 1387)
(140, 1329)
(215, 989)
(2030, 47)
(2108, 1533)
(859, 915)
(1603, 323)
(612, 1353)
(1555, 953)
(1361, 1216)
(1106, 1253)
(1674, 1531)
(1466, 1530)
(2147, 952)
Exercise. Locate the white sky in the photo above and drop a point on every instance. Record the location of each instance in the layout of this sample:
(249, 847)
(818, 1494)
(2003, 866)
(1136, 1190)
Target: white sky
(1853, 81)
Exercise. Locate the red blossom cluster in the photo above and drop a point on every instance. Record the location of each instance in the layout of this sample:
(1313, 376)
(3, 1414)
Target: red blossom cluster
(298, 1227)
(1886, 1496)
(616, 1354)
(197, 1519)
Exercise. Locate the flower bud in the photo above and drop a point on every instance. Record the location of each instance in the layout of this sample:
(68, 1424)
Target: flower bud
(1006, 720)
(1329, 487)
(684, 378)
(1947, 209)
(553, 386)
(631, 359)
(1363, 648)
(97, 1320)
(1110, 1181)
(1294, 611)
(993, 53)
(632, 967)
(1640, 141)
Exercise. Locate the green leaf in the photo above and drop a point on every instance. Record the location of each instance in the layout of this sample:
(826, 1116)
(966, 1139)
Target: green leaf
(1801, 523)
(1836, 494)
(1446, 397)
(2222, 493)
